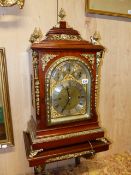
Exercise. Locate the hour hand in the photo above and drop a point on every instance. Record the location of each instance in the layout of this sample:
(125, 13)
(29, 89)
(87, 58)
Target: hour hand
(67, 89)
(68, 92)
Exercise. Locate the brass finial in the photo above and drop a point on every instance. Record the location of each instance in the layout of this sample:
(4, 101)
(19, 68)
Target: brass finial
(95, 39)
(36, 36)
(62, 14)
(97, 36)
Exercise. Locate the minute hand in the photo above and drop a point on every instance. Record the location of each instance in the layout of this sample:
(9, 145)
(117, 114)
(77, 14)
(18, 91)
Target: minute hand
(67, 100)
(69, 97)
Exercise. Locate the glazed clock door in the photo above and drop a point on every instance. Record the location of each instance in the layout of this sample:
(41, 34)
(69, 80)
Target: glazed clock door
(68, 90)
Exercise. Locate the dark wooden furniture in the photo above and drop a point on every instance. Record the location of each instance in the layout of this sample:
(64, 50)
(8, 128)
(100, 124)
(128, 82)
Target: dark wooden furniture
(54, 132)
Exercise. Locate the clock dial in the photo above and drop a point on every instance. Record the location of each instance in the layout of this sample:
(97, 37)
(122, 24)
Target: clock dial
(57, 75)
(79, 74)
(69, 98)
(68, 68)
(68, 93)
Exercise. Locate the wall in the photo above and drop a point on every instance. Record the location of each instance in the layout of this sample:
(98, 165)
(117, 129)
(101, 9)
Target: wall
(16, 27)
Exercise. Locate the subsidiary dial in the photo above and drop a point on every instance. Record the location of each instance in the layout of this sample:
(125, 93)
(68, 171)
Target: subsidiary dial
(79, 74)
(58, 75)
(68, 68)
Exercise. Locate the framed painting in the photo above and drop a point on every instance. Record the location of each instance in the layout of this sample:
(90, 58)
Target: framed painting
(110, 7)
(6, 130)
(8, 3)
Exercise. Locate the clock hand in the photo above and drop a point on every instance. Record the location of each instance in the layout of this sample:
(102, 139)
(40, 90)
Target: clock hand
(68, 93)
(67, 89)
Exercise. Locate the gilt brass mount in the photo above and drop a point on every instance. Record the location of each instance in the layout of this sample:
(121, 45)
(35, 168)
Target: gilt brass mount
(8, 3)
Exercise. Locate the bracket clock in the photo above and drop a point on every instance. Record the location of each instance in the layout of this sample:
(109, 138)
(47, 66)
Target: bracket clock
(64, 89)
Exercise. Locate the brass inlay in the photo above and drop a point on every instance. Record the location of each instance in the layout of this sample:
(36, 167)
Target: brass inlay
(61, 137)
(90, 57)
(69, 156)
(45, 59)
(64, 37)
(70, 77)
(37, 96)
(36, 82)
(8, 3)
(33, 153)
(99, 56)
(35, 63)
(55, 114)
(104, 140)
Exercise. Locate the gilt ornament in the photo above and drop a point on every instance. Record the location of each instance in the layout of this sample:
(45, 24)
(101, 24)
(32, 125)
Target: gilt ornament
(8, 3)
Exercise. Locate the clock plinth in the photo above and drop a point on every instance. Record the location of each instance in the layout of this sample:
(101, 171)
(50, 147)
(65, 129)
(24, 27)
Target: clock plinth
(64, 95)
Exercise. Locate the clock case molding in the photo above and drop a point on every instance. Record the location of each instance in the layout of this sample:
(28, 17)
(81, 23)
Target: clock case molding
(45, 142)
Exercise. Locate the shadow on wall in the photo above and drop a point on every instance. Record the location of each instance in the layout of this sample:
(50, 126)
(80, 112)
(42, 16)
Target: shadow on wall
(9, 17)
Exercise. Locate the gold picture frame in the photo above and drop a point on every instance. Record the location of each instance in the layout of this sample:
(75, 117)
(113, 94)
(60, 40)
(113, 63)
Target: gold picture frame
(110, 7)
(6, 130)
(9, 3)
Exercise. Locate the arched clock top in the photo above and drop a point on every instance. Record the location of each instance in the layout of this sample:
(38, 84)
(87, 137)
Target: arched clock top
(68, 90)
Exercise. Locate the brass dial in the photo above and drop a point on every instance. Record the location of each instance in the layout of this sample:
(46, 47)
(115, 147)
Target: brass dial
(68, 91)
(68, 68)
(79, 73)
(58, 75)
(69, 97)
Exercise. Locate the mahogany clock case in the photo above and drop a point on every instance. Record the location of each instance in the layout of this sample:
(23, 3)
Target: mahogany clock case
(65, 108)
